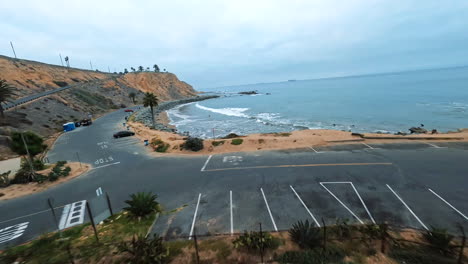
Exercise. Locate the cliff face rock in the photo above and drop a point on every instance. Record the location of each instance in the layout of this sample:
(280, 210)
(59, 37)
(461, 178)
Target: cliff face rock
(90, 93)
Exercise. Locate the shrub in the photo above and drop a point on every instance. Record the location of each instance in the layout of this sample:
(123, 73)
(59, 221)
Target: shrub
(60, 163)
(146, 249)
(439, 238)
(193, 144)
(24, 175)
(65, 172)
(305, 235)
(4, 180)
(237, 141)
(142, 204)
(231, 135)
(53, 176)
(40, 178)
(217, 143)
(56, 169)
(254, 241)
(34, 143)
(38, 164)
(159, 145)
(332, 254)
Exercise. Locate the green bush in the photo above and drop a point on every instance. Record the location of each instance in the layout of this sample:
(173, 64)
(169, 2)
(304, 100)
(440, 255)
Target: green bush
(305, 235)
(53, 176)
(56, 169)
(60, 163)
(439, 238)
(34, 143)
(193, 144)
(217, 143)
(237, 141)
(40, 178)
(145, 249)
(4, 179)
(332, 254)
(65, 172)
(159, 145)
(24, 175)
(142, 204)
(38, 164)
(253, 241)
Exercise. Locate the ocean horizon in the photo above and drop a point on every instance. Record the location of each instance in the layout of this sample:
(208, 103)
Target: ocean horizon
(382, 103)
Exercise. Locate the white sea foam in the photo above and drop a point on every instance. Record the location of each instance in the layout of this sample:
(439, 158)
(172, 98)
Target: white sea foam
(229, 111)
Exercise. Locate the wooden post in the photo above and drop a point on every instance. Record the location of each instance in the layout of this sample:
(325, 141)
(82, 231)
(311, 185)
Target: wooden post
(384, 229)
(462, 247)
(109, 204)
(92, 221)
(261, 244)
(324, 234)
(196, 245)
(53, 212)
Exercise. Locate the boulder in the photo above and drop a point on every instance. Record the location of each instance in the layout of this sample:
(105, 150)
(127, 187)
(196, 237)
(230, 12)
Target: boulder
(418, 130)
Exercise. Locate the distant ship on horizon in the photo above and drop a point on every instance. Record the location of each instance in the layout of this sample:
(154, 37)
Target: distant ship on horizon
(292, 80)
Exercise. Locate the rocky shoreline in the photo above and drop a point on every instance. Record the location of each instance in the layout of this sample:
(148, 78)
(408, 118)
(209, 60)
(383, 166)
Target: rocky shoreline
(144, 114)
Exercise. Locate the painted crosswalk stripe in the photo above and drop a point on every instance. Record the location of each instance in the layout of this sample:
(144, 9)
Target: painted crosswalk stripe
(72, 214)
(12, 232)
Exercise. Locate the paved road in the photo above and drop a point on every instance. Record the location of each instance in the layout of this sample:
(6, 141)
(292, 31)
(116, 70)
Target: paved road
(406, 184)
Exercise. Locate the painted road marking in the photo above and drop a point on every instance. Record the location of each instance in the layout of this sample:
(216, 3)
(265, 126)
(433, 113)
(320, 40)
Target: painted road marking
(269, 211)
(99, 191)
(73, 214)
(115, 163)
(206, 163)
(194, 216)
(367, 145)
(12, 232)
(303, 165)
(232, 159)
(363, 204)
(407, 207)
(451, 206)
(103, 145)
(104, 160)
(28, 215)
(432, 145)
(346, 207)
(307, 209)
(232, 221)
(315, 150)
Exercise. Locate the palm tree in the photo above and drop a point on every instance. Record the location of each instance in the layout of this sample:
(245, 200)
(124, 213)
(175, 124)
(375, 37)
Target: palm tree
(133, 69)
(140, 68)
(132, 96)
(156, 68)
(6, 91)
(125, 71)
(150, 100)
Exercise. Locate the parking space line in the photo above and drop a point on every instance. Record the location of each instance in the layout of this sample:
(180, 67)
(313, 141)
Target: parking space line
(232, 221)
(269, 211)
(315, 150)
(305, 165)
(362, 201)
(407, 207)
(194, 217)
(367, 145)
(349, 210)
(206, 163)
(451, 206)
(307, 209)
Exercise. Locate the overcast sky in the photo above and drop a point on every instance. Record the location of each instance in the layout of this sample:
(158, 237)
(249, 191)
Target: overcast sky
(215, 43)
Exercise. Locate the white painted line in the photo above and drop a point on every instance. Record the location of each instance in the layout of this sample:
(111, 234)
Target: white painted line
(73, 214)
(115, 163)
(432, 145)
(269, 211)
(194, 217)
(99, 191)
(451, 206)
(315, 150)
(407, 207)
(12, 232)
(28, 215)
(232, 221)
(307, 209)
(206, 163)
(64, 217)
(349, 210)
(367, 145)
(362, 201)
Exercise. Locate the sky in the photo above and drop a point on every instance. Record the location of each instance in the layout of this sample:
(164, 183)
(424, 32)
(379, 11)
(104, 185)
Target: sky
(213, 43)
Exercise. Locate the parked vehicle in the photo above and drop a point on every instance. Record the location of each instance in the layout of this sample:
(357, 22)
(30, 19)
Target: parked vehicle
(86, 122)
(123, 134)
(68, 126)
(77, 124)
(128, 110)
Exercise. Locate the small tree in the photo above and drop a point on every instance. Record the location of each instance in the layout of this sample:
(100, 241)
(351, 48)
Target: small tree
(34, 143)
(152, 101)
(142, 204)
(156, 68)
(146, 249)
(125, 71)
(140, 68)
(133, 69)
(6, 91)
(305, 235)
(132, 96)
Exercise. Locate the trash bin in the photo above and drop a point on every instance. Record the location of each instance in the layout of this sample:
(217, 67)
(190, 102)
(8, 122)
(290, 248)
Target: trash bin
(146, 142)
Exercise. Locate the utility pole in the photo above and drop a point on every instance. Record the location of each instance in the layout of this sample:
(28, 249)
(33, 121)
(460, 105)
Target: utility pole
(11, 43)
(108, 69)
(61, 59)
(91, 65)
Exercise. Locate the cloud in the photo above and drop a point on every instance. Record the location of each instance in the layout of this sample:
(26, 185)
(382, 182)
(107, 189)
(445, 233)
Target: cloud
(213, 43)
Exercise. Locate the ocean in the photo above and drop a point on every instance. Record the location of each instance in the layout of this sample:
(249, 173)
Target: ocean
(385, 103)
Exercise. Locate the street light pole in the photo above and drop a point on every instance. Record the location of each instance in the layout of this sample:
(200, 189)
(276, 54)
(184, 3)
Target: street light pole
(11, 43)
